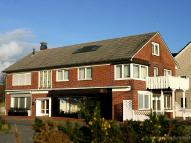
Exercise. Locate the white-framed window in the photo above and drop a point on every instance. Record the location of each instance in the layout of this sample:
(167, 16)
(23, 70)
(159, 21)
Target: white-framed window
(156, 71)
(167, 72)
(122, 71)
(19, 79)
(45, 79)
(85, 73)
(21, 102)
(143, 100)
(140, 71)
(167, 102)
(62, 75)
(126, 71)
(155, 49)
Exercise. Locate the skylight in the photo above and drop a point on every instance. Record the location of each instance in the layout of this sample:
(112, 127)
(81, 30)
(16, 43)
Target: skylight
(89, 48)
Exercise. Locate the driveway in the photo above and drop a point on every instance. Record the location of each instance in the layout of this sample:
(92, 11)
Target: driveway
(24, 126)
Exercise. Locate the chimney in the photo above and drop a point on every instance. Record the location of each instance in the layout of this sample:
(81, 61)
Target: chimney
(43, 46)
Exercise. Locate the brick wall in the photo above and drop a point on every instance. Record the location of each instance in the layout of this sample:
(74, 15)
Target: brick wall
(7, 102)
(164, 61)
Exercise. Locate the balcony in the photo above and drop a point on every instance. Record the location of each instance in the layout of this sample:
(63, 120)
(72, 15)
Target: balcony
(164, 82)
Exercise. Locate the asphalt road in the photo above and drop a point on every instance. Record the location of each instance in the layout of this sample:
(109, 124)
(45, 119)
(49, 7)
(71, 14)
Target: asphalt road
(25, 130)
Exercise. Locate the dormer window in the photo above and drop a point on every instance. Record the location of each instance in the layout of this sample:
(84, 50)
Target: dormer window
(155, 49)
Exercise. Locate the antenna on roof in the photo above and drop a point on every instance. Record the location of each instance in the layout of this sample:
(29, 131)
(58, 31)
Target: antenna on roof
(33, 51)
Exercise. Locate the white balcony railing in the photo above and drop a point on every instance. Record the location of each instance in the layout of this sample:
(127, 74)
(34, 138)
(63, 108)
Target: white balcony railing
(163, 82)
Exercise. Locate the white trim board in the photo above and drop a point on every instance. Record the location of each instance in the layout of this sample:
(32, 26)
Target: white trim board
(46, 90)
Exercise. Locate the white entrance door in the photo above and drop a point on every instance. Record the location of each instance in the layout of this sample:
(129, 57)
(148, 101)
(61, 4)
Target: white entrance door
(43, 107)
(127, 110)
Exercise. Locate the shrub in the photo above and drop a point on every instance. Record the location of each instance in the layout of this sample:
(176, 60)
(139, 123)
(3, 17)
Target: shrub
(48, 132)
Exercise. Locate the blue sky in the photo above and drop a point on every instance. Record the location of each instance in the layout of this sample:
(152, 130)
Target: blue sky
(65, 22)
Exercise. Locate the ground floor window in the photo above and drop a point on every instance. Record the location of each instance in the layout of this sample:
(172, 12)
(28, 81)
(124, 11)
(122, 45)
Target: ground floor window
(21, 102)
(68, 105)
(143, 100)
(167, 102)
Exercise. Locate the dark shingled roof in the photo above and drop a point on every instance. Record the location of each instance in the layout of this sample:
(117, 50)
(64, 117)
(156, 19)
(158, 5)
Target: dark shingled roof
(108, 51)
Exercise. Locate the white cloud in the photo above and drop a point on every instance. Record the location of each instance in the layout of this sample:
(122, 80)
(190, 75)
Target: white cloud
(14, 44)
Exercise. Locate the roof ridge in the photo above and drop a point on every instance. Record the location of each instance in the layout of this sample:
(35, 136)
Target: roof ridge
(86, 43)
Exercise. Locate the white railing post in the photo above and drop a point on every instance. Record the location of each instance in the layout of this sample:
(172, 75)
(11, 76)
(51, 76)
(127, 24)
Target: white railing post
(162, 102)
(173, 102)
(183, 96)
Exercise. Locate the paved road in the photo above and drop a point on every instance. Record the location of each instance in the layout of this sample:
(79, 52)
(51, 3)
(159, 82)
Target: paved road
(24, 127)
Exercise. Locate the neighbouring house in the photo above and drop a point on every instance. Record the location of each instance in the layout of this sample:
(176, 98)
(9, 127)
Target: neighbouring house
(126, 77)
(184, 63)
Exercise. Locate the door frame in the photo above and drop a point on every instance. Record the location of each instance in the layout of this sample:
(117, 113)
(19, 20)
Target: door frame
(38, 106)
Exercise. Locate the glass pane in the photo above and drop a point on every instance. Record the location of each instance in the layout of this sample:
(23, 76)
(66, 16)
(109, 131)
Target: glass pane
(49, 78)
(143, 72)
(45, 78)
(154, 104)
(81, 73)
(22, 102)
(168, 102)
(140, 101)
(136, 71)
(165, 106)
(158, 105)
(42, 105)
(155, 71)
(119, 71)
(126, 71)
(60, 74)
(16, 102)
(153, 49)
(66, 74)
(146, 101)
(41, 78)
(156, 49)
(28, 103)
(27, 79)
(47, 104)
(88, 73)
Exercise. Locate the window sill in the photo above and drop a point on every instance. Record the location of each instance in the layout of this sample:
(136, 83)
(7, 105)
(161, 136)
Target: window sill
(143, 109)
(61, 80)
(131, 79)
(155, 55)
(84, 79)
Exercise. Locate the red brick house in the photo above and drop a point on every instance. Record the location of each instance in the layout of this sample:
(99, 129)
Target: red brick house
(133, 74)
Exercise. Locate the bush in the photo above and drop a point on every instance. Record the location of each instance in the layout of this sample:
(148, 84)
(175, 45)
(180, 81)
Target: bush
(4, 126)
(98, 130)
(49, 132)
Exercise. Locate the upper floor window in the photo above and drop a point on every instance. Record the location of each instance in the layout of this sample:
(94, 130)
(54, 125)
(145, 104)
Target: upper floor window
(155, 49)
(62, 75)
(45, 79)
(167, 72)
(156, 71)
(122, 71)
(85, 73)
(125, 71)
(20, 79)
(140, 71)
